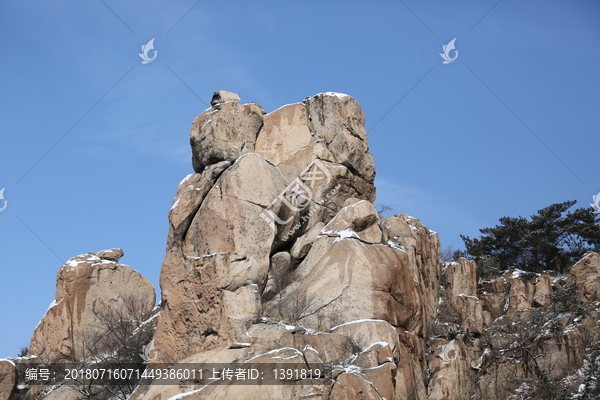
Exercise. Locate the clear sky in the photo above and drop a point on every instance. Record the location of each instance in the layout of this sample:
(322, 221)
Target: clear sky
(94, 142)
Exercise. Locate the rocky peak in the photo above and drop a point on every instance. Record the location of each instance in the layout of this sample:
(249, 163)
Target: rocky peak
(85, 284)
(276, 254)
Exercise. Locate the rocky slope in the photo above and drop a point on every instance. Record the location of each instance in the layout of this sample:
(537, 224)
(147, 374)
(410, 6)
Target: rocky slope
(276, 254)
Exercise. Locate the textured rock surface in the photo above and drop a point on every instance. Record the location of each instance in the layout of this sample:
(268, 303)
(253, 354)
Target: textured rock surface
(224, 132)
(8, 379)
(232, 216)
(84, 285)
(586, 273)
(276, 254)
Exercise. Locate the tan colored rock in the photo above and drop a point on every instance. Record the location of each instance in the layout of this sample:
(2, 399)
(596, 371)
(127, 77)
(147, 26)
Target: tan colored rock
(365, 383)
(111, 254)
(351, 386)
(229, 221)
(223, 96)
(164, 392)
(279, 273)
(84, 284)
(302, 244)
(315, 196)
(410, 374)
(285, 132)
(190, 193)
(423, 249)
(224, 132)
(514, 292)
(264, 392)
(500, 381)
(460, 284)
(339, 120)
(226, 247)
(470, 310)
(8, 378)
(330, 347)
(449, 366)
(357, 282)
(358, 220)
(375, 355)
(563, 353)
(382, 379)
(293, 167)
(543, 289)
(586, 272)
(518, 296)
(369, 333)
(461, 278)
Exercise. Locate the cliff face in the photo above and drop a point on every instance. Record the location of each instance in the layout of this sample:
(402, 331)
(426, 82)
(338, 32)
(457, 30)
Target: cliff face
(276, 254)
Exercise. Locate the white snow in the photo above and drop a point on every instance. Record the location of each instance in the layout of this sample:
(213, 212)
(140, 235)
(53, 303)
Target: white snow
(146, 322)
(352, 369)
(517, 273)
(346, 233)
(396, 246)
(54, 303)
(569, 329)
(206, 123)
(84, 258)
(374, 344)
(10, 361)
(357, 321)
(185, 179)
(309, 347)
(176, 203)
(338, 95)
(206, 255)
(466, 295)
(186, 394)
(275, 351)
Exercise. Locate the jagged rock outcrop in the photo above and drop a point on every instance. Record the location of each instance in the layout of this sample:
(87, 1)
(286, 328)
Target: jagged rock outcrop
(86, 285)
(230, 218)
(276, 254)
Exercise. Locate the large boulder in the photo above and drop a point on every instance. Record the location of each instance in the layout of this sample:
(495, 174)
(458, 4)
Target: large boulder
(338, 119)
(261, 182)
(224, 132)
(86, 285)
(285, 133)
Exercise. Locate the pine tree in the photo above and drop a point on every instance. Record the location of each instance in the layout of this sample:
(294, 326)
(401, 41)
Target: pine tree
(551, 239)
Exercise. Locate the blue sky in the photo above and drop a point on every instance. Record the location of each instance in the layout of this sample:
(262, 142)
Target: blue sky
(94, 143)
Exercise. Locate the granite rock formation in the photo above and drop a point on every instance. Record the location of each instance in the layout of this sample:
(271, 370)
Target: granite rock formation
(276, 254)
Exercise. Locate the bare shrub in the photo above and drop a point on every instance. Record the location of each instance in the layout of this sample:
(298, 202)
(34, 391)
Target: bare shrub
(121, 331)
(447, 255)
(295, 307)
